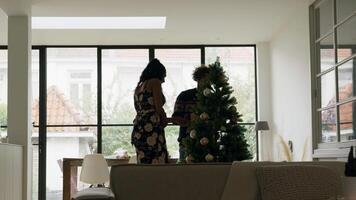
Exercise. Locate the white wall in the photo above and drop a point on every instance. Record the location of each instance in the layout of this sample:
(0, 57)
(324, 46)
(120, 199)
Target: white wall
(290, 87)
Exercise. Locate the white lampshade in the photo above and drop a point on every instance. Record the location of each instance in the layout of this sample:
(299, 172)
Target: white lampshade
(261, 126)
(95, 169)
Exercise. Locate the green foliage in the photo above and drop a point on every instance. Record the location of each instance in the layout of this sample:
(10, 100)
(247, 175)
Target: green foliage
(216, 135)
(3, 114)
(115, 138)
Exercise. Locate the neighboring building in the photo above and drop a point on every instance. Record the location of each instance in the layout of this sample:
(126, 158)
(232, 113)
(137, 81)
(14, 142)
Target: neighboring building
(62, 142)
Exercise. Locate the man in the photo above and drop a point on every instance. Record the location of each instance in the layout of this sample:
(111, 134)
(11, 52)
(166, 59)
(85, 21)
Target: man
(184, 105)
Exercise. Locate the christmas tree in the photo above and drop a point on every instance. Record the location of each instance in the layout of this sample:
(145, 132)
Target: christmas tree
(215, 134)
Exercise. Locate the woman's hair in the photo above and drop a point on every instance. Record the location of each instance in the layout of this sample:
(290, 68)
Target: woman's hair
(154, 69)
(200, 72)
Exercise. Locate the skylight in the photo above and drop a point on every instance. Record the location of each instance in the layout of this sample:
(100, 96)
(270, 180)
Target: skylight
(98, 22)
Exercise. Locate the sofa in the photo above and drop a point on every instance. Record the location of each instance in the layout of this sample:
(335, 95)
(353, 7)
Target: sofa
(222, 181)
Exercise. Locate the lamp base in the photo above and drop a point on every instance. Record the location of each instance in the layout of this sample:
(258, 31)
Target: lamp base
(97, 193)
(97, 186)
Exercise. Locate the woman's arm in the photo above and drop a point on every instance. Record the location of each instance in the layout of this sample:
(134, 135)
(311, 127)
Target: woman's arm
(156, 86)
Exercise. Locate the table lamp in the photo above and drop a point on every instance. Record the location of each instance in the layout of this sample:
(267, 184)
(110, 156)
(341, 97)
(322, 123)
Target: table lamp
(95, 170)
(260, 126)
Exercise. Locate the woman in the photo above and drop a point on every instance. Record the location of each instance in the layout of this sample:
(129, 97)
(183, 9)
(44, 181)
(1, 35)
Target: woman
(148, 133)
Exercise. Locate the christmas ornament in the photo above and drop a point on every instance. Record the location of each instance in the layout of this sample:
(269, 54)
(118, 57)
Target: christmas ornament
(204, 116)
(193, 134)
(207, 92)
(189, 159)
(209, 157)
(204, 141)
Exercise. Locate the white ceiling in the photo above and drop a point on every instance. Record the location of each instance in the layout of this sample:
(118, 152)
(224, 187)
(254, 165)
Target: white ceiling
(188, 21)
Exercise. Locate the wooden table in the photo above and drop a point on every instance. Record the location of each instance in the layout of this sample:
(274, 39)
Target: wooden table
(70, 172)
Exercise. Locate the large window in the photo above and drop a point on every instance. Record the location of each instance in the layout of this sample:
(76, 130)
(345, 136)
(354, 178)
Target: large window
(333, 70)
(71, 111)
(89, 99)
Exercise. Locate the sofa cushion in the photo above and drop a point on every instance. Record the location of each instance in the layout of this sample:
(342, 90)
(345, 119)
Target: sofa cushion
(173, 182)
(297, 182)
(242, 182)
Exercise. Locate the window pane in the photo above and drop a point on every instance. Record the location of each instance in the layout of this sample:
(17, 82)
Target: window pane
(250, 136)
(35, 171)
(172, 133)
(3, 94)
(121, 70)
(324, 17)
(327, 52)
(180, 64)
(328, 125)
(346, 38)
(346, 121)
(117, 141)
(346, 76)
(328, 89)
(71, 72)
(35, 110)
(343, 53)
(345, 8)
(239, 64)
(66, 142)
(4, 89)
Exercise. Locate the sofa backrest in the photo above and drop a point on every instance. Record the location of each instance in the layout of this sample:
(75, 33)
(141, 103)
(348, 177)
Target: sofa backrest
(242, 182)
(169, 182)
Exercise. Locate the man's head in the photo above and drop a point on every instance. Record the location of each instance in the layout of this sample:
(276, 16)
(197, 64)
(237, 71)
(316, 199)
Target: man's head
(200, 73)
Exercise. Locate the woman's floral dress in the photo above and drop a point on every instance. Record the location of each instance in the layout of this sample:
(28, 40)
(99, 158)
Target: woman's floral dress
(148, 134)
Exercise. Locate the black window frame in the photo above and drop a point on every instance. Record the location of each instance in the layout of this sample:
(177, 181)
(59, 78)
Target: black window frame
(42, 125)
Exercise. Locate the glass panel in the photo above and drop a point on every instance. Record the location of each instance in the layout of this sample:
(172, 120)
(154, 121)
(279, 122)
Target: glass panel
(239, 64)
(73, 142)
(324, 17)
(172, 133)
(345, 8)
(3, 95)
(71, 86)
(117, 141)
(346, 38)
(327, 52)
(328, 125)
(35, 172)
(35, 110)
(346, 121)
(343, 53)
(180, 64)
(3, 88)
(121, 70)
(345, 73)
(328, 89)
(35, 86)
(251, 140)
